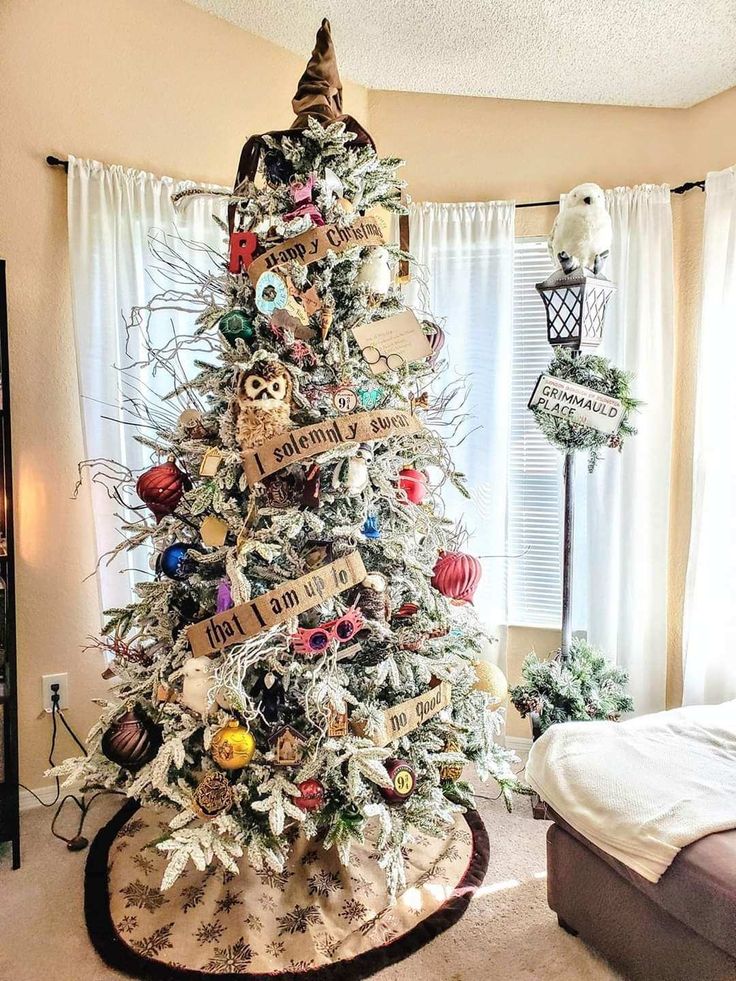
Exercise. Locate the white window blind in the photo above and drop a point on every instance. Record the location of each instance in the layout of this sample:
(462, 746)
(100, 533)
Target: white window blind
(535, 474)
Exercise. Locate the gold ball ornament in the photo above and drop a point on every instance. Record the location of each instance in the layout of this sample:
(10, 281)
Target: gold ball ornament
(491, 679)
(213, 796)
(233, 746)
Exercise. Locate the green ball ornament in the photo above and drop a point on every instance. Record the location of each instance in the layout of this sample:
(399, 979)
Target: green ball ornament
(235, 324)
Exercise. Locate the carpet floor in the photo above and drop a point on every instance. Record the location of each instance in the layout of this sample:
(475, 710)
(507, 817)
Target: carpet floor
(508, 931)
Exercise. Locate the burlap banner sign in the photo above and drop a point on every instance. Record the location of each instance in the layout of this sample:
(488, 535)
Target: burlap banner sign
(408, 716)
(208, 637)
(314, 245)
(300, 444)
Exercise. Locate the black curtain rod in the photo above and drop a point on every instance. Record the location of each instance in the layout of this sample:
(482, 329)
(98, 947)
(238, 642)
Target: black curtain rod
(682, 189)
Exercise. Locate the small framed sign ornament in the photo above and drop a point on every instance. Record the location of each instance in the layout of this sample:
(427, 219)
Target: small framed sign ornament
(577, 404)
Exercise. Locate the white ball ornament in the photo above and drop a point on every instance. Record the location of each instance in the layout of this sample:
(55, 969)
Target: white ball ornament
(197, 683)
(376, 272)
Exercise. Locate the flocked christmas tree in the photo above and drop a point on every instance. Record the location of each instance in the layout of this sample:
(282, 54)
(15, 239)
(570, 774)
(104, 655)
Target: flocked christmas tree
(305, 658)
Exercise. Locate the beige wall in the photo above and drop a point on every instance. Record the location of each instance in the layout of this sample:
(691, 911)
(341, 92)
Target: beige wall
(165, 87)
(460, 149)
(157, 85)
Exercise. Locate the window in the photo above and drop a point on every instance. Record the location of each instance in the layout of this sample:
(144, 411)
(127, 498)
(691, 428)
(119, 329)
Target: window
(535, 475)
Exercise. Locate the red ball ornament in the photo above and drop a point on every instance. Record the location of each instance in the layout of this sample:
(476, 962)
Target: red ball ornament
(311, 795)
(456, 575)
(132, 740)
(404, 781)
(414, 484)
(161, 488)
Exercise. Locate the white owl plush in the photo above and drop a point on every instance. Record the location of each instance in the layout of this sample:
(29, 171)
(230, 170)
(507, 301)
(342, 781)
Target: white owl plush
(581, 234)
(197, 683)
(376, 272)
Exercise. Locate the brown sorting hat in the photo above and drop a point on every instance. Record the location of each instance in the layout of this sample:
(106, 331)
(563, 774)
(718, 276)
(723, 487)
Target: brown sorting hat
(319, 95)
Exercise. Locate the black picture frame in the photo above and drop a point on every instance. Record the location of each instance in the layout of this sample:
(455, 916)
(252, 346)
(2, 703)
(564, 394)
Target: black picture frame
(9, 791)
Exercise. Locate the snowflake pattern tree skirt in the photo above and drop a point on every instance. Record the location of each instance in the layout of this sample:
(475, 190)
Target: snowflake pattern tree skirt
(315, 921)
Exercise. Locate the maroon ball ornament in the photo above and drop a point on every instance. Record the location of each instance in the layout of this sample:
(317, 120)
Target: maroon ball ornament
(161, 488)
(311, 795)
(414, 484)
(457, 575)
(404, 781)
(132, 740)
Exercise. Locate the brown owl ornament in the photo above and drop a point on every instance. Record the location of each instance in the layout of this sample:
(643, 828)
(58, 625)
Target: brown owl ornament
(262, 403)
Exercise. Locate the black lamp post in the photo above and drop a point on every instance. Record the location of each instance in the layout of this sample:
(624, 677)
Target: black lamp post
(575, 303)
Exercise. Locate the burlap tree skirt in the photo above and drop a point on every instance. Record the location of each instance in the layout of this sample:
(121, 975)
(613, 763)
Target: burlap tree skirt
(316, 921)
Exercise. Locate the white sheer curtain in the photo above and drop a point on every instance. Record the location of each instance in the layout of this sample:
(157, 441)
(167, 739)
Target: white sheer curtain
(111, 212)
(466, 252)
(710, 600)
(622, 549)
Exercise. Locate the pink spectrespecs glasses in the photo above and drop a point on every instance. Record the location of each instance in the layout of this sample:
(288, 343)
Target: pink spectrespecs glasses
(314, 640)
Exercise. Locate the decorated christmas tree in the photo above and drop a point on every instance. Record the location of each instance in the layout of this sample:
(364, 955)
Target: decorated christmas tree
(306, 658)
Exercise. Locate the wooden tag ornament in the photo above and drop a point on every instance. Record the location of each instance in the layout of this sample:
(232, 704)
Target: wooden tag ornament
(213, 531)
(337, 723)
(288, 745)
(210, 462)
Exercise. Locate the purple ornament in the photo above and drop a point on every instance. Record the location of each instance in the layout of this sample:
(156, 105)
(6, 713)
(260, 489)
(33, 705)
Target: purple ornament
(224, 596)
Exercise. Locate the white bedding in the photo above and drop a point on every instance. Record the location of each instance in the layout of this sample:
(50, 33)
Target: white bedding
(642, 789)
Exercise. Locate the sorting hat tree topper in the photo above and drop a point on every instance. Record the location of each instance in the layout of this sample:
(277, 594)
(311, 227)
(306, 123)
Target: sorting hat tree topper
(330, 575)
(582, 402)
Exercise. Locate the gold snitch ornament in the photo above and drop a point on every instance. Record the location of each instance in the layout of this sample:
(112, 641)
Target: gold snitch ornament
(233, 746)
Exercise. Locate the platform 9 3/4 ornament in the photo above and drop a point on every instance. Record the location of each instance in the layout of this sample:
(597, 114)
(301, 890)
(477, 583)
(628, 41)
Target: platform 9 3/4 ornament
(404, 781)
(345, 399)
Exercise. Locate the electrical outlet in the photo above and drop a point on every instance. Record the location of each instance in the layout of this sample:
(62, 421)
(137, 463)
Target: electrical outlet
(62, 680)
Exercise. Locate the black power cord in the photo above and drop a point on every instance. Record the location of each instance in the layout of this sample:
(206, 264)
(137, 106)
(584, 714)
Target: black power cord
(77, 842)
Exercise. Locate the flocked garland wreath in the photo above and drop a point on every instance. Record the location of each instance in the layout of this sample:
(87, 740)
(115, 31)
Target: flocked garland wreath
(598, 374)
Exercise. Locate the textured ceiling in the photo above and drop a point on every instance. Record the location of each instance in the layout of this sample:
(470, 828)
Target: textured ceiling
(622, 52)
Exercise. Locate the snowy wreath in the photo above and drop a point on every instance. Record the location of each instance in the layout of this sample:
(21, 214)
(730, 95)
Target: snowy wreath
(599, 375)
